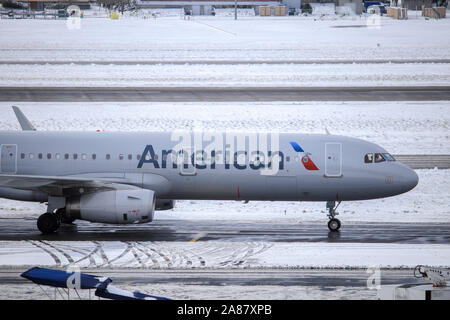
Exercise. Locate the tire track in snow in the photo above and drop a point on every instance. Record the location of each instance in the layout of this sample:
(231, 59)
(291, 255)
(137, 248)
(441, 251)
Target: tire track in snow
(102, 254)
(136, 256)
(54, 257)
(67, 256)
(124, 253)
(147, 252)
(81, 251)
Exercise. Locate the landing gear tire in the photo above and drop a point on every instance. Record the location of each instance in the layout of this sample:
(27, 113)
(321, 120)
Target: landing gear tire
(48, 223)
(334, 224)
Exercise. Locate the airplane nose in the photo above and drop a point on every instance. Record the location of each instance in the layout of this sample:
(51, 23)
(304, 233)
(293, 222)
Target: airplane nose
(411, 180)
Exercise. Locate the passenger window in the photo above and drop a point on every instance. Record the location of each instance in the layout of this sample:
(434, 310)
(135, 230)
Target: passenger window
(57, 156)
(49, 156)
(66, 156)
(31, 155)
(40, 155)
(130, 157)
(368, 158)
(108, 157)
(379, 158)
(22, 156)
(138, 156)
(120, 156)
(83, 156)
(75, 156)
(94, 156)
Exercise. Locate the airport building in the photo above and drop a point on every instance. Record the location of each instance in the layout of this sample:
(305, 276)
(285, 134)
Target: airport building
(40, 4)
(206, 7)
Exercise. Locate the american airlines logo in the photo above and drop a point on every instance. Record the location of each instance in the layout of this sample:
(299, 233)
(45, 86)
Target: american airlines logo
(202, 150)
(306, 159)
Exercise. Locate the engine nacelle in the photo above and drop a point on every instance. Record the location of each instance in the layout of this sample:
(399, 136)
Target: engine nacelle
(164, 204)
(119, 207)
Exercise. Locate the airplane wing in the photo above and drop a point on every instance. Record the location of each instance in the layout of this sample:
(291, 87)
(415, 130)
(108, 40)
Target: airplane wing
(60, 185)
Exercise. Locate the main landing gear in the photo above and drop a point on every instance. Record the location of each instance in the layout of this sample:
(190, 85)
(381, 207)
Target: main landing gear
(333, 224)
(48, 222)
(51, 221)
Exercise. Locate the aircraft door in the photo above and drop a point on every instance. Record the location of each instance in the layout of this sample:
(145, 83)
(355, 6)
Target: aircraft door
(8, 163)
(333, 159)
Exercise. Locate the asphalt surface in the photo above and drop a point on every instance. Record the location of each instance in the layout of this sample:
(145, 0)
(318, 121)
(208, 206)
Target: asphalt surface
(185, 230)
(245, 277)
(219, 62)
(425, 161)
(223, 94)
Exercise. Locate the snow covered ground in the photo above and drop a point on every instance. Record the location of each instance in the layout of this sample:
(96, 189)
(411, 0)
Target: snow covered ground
(221, 254)
(247, 75)
(222, 38)
(206, 39)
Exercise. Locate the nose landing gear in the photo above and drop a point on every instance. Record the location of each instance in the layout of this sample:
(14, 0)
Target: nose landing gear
(333, 224)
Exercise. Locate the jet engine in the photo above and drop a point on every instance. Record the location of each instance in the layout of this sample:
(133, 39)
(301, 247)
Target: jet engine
(165, 204)
(118, 207)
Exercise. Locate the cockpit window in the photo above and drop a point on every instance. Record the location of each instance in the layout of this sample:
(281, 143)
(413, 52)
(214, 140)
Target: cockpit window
(368, 158)
(379, 158)
(388, 157)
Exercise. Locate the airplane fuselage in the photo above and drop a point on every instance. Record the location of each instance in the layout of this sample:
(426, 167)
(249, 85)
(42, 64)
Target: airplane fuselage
(211, 166)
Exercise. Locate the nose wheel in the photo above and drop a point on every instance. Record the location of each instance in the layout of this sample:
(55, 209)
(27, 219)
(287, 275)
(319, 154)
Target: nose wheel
(333, 224)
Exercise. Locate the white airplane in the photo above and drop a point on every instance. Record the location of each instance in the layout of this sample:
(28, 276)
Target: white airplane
(123, 177)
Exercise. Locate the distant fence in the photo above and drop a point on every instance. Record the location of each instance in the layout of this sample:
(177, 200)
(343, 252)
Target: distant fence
(425, 161)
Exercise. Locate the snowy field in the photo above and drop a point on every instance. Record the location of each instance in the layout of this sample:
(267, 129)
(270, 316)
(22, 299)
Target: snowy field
(208, 39)
(247, 75)
(400, 127)
(222, 38)
(221, 254)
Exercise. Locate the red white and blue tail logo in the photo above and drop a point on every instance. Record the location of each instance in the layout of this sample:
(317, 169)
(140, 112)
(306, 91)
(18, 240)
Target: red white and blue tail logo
(306, 159)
